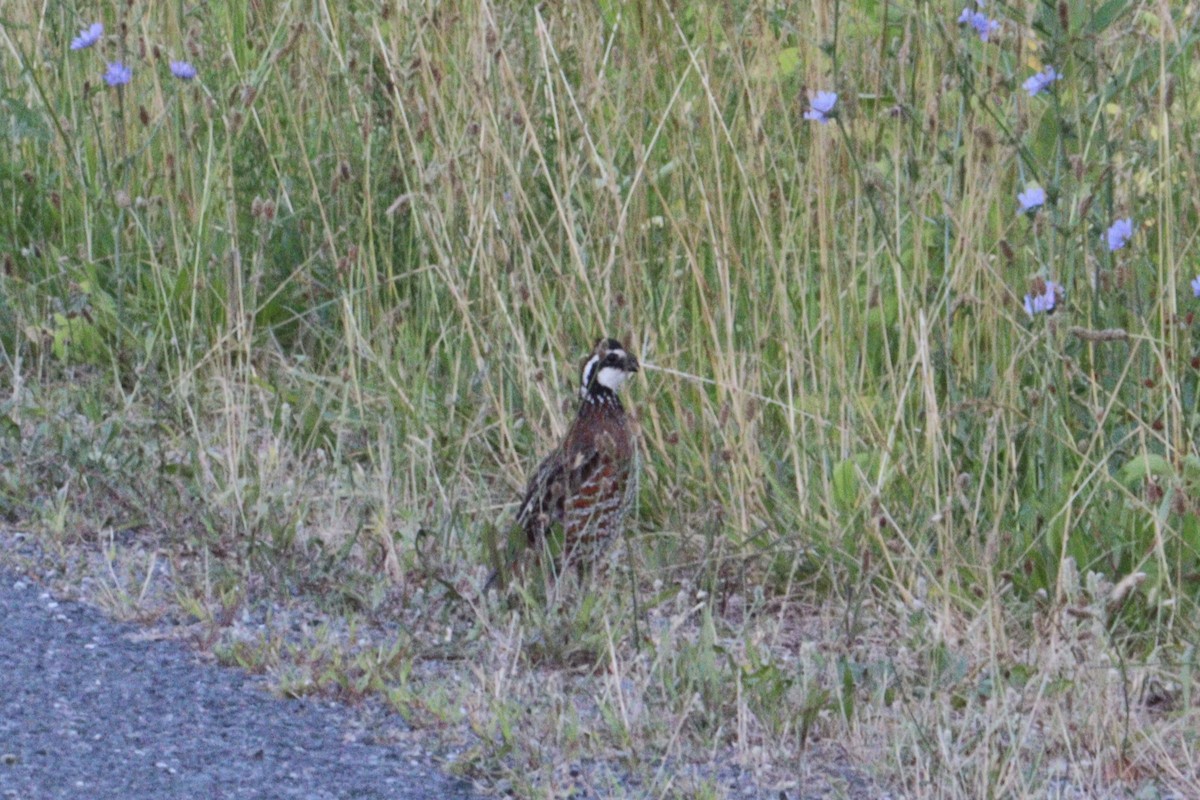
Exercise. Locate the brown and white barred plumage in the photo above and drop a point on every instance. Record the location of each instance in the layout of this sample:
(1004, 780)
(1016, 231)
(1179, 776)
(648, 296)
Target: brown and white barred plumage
(586, 484)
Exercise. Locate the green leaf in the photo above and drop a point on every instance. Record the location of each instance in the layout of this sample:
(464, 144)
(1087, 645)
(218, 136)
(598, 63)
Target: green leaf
(789, 61)
(847, 485)
(10, 428)
(1109, 13)
(1139, 469)
(23, 123)
(1191, 467)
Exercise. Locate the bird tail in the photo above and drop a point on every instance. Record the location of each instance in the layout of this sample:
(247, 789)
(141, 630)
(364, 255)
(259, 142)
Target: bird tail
(500, 576)
(490, 582)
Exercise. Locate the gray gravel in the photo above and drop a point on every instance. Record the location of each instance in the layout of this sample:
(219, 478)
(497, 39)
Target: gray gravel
(90, 710)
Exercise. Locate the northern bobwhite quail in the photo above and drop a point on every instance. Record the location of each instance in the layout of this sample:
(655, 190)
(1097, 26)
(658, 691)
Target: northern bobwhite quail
(586, 484)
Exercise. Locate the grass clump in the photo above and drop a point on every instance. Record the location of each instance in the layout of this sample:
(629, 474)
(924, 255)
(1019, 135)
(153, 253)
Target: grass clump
(917, 413)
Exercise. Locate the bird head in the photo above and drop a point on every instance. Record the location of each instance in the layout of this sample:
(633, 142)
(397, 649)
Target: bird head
(606, 369)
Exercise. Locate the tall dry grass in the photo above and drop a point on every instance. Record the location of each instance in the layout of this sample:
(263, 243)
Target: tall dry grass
(314, 314)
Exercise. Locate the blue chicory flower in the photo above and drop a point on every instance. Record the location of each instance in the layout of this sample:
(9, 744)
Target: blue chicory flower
(983, 25)
(1120, 233)
(117, 74)
(88, 36)
(1043, 303)
(183, 70)
(1196, 286)
(1041, 81)
(821, 107)
(1031, 199)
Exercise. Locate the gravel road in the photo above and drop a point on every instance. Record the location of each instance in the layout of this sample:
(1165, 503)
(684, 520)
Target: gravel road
(89, 709)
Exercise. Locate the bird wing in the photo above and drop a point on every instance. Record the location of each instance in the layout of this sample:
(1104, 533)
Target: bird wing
(544, 497)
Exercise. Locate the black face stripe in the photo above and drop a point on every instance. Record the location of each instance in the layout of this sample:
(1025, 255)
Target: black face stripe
(589, 373)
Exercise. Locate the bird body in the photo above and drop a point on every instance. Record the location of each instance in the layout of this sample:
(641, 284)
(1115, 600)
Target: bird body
(586, 484)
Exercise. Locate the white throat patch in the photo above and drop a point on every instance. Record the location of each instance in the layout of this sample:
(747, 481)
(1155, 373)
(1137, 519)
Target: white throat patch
(612, 378)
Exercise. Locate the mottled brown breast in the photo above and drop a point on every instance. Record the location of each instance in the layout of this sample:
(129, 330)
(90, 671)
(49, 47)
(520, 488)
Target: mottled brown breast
(599, 456)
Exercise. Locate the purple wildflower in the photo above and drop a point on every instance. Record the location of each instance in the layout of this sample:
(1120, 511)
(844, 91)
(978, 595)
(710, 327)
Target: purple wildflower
(1041, 81)
(1043, 303)
(821, 107)
(117, 74)
(1031, 199)
(88, 36)
(1120, 233)
(183, 70)
(1196, 286)
(983, 25)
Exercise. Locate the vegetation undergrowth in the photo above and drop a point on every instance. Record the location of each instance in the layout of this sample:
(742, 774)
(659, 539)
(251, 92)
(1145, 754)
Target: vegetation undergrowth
(294, 295)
